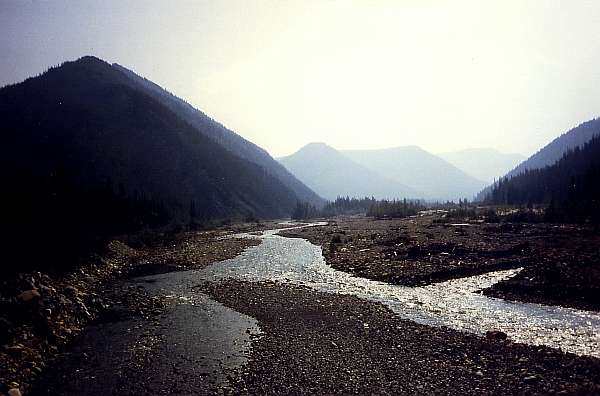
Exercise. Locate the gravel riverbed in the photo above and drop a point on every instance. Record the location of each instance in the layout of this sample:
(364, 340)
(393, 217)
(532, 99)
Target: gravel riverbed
(319, 343)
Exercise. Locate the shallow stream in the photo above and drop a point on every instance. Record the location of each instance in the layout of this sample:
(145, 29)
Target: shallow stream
(457, 304)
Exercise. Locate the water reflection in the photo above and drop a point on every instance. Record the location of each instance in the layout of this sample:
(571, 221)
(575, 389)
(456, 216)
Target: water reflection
(455, 304)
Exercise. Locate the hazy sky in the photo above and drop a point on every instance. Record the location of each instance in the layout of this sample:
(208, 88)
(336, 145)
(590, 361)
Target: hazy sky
(443, 75)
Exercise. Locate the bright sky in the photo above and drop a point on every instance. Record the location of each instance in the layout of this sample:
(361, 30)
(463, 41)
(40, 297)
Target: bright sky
(443, 75)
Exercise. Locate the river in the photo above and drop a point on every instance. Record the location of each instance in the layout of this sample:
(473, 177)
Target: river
(457, 304)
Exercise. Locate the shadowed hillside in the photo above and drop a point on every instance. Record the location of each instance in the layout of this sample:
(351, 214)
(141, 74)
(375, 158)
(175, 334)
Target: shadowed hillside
(85, 155)
(485, 164)
(554, 150)
(225, 137)
(571, 184)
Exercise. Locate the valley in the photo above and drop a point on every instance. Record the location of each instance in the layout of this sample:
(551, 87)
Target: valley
(149, 249)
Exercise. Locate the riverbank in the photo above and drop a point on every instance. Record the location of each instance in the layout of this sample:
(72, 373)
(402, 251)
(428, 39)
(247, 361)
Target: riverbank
(202, 332)
(561, 262)
(318, 343)
(42, 313)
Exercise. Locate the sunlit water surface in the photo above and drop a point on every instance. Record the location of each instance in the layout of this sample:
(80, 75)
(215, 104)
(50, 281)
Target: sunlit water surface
(456, 304)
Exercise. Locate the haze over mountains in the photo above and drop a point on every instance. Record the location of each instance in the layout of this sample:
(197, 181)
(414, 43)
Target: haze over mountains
(485, 164)
(93, 124)
(332, 174)
(388, 173)
(435, 178)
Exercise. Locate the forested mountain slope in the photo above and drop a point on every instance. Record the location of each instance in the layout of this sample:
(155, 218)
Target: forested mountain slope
(554, 150)
(572, 183)
(84, 155)
(225, 137)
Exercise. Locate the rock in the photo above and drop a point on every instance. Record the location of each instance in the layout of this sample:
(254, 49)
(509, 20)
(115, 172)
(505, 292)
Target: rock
(529, 379)
(495, 335)
(14, 392)
(70, 291)
(14, 350)
(479, 373)
(29, 295)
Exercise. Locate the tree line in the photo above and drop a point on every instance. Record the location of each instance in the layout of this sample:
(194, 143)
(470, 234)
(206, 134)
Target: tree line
(349, 206)
(570, 188)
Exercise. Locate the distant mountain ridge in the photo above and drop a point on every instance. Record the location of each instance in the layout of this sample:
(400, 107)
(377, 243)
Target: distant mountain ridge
(420, 170)
(332, 174)
(485, 164)
(388, 173)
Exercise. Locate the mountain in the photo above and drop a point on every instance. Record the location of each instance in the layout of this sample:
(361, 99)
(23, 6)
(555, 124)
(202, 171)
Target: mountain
(572, 183)
(554, 150)
(86, 117)
(332, 174)
(88, 152)
(484, 164)
(223, 136)
(422, 171)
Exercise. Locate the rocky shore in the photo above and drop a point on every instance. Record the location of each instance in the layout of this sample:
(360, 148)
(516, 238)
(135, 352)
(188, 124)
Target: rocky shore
(561, 262)
(316, 343)
(40, 313)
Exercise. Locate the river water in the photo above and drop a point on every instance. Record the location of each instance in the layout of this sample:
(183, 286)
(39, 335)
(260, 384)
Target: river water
(457, 304)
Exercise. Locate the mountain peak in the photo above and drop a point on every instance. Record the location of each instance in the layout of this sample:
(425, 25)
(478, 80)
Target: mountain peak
(90, 59)
(316, 147)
